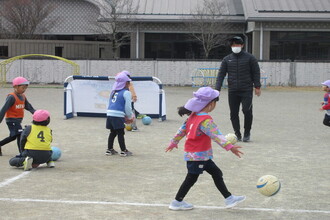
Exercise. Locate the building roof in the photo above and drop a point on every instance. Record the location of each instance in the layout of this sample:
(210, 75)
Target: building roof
(237, 10)
(181, 7)
(76, 16)
(178, 10)
(286, 10)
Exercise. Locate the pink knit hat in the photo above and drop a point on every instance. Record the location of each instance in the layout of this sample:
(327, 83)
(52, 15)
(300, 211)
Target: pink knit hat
(40, 115)
(20, 81)
(202, 97)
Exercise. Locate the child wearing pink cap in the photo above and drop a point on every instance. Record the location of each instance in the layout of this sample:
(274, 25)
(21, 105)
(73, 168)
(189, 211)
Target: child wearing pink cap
(36, 142)
(119, 112)
(326, 103)
(199, 130)
(13, 110)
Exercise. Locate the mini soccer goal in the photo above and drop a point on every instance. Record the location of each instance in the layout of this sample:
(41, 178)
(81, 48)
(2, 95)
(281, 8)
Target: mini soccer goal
(89, 96)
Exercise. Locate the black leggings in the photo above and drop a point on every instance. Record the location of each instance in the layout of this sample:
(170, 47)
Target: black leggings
(121, 139)
(39, 157)
(134, 110)
(15, 130)
(10, 139)
(191, 179)
(326, 120)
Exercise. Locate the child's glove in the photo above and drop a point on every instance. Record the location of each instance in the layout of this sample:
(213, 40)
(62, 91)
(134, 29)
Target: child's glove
(171, 146)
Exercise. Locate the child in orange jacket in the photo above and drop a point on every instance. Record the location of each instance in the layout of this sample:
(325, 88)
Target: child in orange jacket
(13, 110)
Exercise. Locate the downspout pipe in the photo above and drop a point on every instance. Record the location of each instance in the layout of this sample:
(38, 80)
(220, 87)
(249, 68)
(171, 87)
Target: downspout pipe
(137, 41)
(261, 40)
(246, 41)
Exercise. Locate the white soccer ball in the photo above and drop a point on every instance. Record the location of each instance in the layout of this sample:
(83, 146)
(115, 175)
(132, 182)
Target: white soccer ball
(232, 138)
(268, 185)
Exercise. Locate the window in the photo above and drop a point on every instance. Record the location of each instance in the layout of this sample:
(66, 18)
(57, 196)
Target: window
(300, 46)
(101, 52)
(178, 46)
(3, 51)
(59, 51)
(125, 51)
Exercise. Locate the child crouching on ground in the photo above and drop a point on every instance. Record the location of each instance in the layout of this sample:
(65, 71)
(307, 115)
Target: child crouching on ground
(35, 140)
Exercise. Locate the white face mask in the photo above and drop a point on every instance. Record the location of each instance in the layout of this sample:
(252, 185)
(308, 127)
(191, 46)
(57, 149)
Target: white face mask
(236, 49)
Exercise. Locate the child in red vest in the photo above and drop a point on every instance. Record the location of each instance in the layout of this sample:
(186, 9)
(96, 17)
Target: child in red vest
(199, 130)
(13, 109)
(326, 102)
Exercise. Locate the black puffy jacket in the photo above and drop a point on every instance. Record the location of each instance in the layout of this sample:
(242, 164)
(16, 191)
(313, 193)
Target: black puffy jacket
(243, 72)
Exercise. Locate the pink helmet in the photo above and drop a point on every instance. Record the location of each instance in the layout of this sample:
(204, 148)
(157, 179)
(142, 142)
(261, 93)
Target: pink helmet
(20, 81)
(40, 115)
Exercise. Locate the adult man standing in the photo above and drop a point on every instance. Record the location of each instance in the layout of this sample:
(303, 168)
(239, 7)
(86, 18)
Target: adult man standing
(243, 75)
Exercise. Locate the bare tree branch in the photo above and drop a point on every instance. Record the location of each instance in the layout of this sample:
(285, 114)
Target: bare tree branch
(27, 19)
(115, 22)
(209, 23)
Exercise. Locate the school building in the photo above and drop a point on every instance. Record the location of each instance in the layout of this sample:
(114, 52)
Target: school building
(273, 30)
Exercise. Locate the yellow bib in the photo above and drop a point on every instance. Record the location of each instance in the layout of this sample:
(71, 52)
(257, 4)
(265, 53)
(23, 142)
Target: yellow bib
(40, 138)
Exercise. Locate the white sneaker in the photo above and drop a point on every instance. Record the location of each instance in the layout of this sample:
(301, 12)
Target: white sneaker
(125, 153)
(27, 164)
(176, 205)
(51, 164)
(232, 200)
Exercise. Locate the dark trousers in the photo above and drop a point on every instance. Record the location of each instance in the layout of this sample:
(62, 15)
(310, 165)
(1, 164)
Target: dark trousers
(235, 99)
(39, 157)
(15, 130)
(191, 179)
(136, 113)
(326, 120)
(121, 139)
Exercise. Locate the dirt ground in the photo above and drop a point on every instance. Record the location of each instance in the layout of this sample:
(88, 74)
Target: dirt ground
(288, 141)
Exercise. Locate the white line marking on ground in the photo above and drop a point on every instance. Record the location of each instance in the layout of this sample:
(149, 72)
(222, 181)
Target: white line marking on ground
(159, 205)
(13, 179)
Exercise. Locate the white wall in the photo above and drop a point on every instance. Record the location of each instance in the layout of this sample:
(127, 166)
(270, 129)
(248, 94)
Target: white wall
(169, 72)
